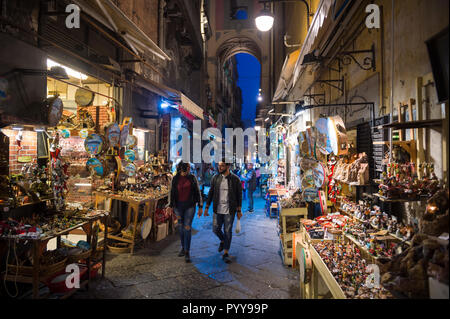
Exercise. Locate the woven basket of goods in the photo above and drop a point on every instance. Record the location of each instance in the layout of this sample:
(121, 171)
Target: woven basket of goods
(119, 248)
(76, 254)
(113, 226)
(51, 263)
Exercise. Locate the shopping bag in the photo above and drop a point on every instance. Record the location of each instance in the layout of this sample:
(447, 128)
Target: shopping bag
(238, 226)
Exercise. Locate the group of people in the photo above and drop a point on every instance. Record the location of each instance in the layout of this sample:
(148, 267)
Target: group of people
(225, 194)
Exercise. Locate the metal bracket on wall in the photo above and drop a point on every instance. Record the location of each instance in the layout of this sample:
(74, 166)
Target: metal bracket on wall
(368, 62)
(320, 100)
(339, 87)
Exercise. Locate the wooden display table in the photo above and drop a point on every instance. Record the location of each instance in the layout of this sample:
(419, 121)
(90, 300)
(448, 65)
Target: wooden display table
(288, 253)
(37, 245)
(149, 203)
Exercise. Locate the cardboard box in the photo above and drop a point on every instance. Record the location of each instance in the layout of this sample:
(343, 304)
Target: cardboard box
(161, 232)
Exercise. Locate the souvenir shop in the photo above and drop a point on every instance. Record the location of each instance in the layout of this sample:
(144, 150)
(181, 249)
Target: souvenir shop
(75, 182)
(359, 222)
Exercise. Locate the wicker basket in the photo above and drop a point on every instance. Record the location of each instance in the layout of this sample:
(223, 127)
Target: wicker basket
(76, 257)
(119, 248)
(44, 271)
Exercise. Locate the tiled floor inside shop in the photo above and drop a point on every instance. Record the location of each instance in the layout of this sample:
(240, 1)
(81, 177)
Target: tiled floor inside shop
(156, 272)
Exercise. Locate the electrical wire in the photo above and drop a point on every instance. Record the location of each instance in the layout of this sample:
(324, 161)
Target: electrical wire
(17, 270)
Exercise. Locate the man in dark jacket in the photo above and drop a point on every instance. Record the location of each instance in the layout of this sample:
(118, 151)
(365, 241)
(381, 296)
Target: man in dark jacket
(226, 195)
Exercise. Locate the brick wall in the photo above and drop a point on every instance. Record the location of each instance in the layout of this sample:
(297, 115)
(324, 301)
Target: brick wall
(29, 148)
(103, 115)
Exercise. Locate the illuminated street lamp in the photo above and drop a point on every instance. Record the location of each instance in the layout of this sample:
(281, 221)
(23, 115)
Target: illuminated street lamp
(264, 21)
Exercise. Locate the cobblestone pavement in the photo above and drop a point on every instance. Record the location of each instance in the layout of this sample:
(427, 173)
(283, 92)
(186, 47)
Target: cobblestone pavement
(156, 272)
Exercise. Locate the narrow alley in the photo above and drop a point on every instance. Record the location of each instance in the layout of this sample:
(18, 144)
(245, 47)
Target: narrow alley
(156, 272)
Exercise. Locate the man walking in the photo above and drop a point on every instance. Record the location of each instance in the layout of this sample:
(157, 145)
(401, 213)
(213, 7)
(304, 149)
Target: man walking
(226, 195)
(250, 179)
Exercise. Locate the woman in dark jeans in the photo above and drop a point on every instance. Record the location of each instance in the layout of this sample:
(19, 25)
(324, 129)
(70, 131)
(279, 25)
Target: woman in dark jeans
(184, 195)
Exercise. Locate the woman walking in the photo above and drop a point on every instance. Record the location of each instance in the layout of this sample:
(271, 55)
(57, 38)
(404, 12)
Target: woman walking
(184, 195)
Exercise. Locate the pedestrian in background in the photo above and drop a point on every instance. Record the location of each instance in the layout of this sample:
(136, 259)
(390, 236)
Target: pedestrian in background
(183, 196)
(226, 195)
(250, 180)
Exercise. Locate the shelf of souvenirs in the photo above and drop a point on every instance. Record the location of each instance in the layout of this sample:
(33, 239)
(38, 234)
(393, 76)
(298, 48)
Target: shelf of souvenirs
(387, 233)
(352, 183)
(377, 245)
(51, 226)
(400, 200)
(343, 266)
(412, 124)
(7, 205)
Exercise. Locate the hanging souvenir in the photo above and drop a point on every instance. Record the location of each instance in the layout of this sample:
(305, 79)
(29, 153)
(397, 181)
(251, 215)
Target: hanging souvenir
(94, 144)
(130, 155)
(84, 97)
(338, 135)
(96, 166)
(311, 139)
(318, 174)
(131, 141)
(323, 141)
(130, 169)
(83, 133)
(308, 179)
(124, 135)
(55, 110)
(113, 134)
(310, 194)
(65, 133)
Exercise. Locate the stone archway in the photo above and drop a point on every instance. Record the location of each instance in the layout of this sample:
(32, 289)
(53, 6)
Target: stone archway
(237, 45)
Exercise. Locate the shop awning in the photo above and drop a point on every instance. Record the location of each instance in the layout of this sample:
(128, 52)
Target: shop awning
(328, 16)
(191, 107)
(157, 88)
(284, 83)
(115, 19)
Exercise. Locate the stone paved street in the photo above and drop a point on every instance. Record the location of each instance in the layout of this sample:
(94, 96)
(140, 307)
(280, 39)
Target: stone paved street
(156, 272)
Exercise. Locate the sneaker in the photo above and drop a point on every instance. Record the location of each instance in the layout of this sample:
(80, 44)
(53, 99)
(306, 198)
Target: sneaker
(220, 247)
(250, 211)
(226, 258)
(187, 258)
(181, 253)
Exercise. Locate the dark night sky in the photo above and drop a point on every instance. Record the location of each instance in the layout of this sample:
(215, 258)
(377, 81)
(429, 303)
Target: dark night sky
(249, 70)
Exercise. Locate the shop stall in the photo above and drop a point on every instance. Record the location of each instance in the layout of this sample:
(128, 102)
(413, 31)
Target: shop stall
(360, 247)
(84, 172)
